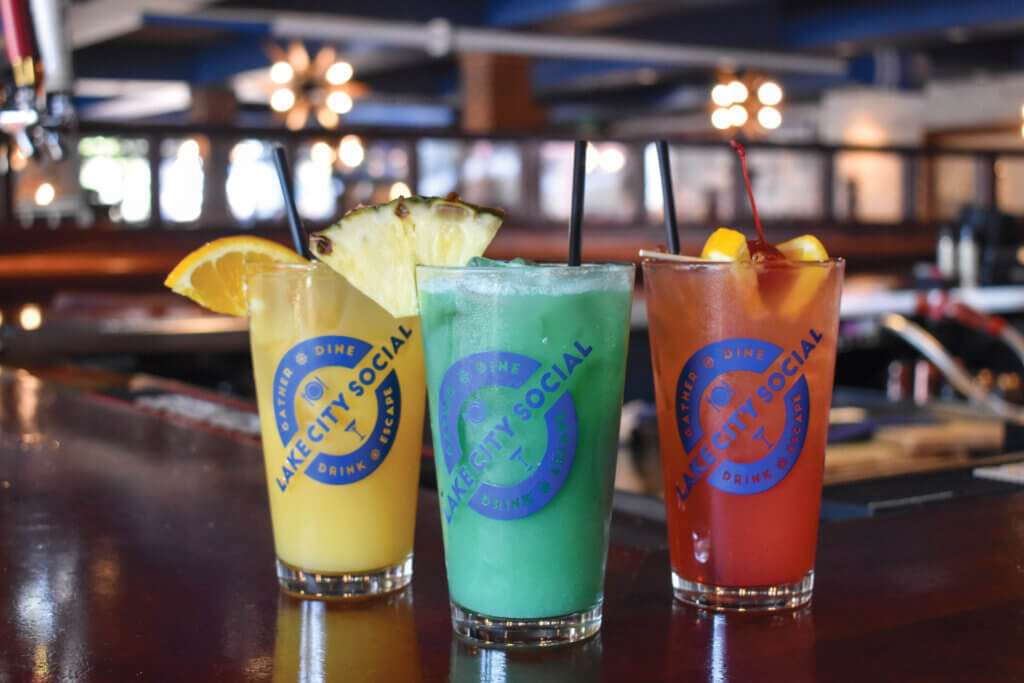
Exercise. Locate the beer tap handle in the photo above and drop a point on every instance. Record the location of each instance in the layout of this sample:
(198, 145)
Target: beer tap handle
(18, 42)
(50, 20)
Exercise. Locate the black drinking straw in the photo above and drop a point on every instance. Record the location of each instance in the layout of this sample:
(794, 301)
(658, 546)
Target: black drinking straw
(283, 175)
(671, 229)
(579, 167)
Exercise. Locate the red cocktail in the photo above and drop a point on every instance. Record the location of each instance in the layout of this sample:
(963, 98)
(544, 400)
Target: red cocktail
(743, 358)
(743, 344)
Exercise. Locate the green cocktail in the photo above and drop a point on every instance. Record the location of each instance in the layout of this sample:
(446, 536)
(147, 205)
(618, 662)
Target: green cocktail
(525, 371)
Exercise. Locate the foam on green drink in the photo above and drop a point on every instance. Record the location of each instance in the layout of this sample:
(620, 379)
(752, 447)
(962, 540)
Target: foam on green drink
(525, 371)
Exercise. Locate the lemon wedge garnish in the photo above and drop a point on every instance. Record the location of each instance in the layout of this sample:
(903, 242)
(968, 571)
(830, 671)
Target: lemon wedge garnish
(214, 274)
(726, 245)
(804, 286)
(804, 248)
(377, 248)
(785, 293)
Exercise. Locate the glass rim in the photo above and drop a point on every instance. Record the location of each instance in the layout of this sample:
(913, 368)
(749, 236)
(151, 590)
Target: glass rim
(833, 262)
(546, 266)
(257, 268)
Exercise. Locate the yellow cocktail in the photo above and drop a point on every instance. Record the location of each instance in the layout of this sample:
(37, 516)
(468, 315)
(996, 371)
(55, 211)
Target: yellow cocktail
(340, 387)
(339, 374)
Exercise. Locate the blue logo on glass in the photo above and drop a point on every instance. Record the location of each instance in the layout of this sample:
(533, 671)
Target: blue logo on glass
(314, 390)
(508, 431)
(741, 427)
(315, 371)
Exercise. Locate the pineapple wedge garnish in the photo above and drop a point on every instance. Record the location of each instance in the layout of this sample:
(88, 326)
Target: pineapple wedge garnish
(377, 248)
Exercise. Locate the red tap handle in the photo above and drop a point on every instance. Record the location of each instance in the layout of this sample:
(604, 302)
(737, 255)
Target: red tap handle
(937, 305)
(18, 40)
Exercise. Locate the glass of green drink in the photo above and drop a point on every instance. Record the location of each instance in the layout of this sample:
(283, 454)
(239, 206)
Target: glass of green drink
(525, 372)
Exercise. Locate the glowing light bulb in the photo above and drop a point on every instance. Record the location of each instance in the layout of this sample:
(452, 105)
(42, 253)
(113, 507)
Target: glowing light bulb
(281, 72)
(769, 117)
(188, 149)
(283, 99)
(769, 93)
(30, 317)
(720, 118)
(321, 153)
(339, 72)
(737, 115)
(45, 194)
(350, 151)
(339, 102)
(326, 117)
(720, 95)
(737, 92)
(612, 160)
(400, 189)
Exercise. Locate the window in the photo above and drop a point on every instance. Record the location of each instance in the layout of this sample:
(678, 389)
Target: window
(181, 178)
(1010, 185)
(252, 188)
(316, 188)
(439, 166)
(702, 182)
(786, 184)
(607, 190)
(115, 172)
(868, 187)
(954, 185)
(491, 174)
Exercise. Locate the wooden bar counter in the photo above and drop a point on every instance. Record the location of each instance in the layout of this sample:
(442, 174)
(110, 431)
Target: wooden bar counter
(135, 547)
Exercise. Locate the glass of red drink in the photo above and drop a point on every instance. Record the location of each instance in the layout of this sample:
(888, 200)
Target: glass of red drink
(744, 356)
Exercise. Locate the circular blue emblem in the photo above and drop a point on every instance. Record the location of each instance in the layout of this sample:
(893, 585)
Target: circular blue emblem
(733, 439)
(508, 433)
(314, 390)
(337, 405)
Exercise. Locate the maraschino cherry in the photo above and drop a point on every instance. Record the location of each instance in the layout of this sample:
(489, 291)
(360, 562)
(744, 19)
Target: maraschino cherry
(760, 249)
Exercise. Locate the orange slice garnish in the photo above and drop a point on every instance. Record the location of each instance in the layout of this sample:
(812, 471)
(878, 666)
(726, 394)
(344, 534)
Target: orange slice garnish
(726, 245)
(214, 274)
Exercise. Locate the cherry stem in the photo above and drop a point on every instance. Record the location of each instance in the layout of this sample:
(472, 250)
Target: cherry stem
(750, 192)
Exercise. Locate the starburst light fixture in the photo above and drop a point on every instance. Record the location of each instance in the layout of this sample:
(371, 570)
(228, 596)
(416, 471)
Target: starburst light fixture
(321, 86)
(752, 102)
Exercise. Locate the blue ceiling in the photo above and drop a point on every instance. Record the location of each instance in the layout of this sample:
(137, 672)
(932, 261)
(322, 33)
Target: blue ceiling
(950, 38)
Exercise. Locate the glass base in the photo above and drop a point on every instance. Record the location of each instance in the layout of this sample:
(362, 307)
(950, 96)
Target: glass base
(481, 629)
(344, 586)
(754, 599)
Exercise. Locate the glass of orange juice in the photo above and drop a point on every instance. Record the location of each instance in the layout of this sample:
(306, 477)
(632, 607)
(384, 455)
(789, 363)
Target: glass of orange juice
(340, 387)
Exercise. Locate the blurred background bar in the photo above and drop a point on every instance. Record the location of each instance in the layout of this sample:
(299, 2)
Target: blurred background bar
(135, 132)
